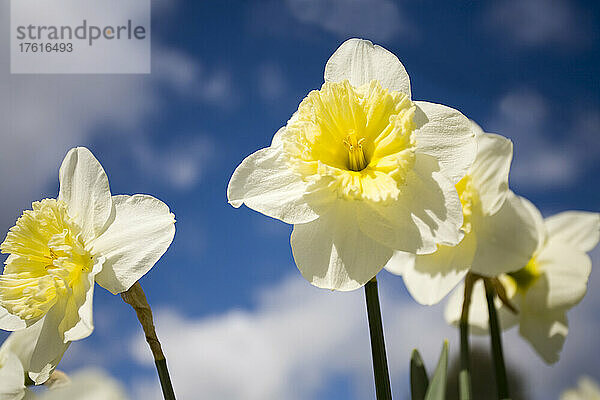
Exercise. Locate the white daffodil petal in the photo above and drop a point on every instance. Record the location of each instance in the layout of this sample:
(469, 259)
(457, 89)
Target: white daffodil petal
(141, 232)
(49, 346)
(360, 61)
(564, 280)
(538, 219)
(445, 134)
(276, 140)
(400, 261)
(427, 212)
(395, 227)
(434, 275)
(9, 322)
(579, 229)
(265, 183)
(440, 208)
(12, 377)
(23, 342)
(490, 170)
(84, 188)
(79, 322)
(545, 331)
(333, 253)
(506, 240)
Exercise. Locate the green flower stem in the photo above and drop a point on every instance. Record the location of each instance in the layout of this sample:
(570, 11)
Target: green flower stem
(136, 298)
(464, 376)
(383, 388)
(496, 339)
(165, 379)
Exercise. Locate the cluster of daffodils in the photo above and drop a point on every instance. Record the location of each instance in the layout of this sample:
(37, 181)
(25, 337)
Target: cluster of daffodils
(499, 231)
(57, 251)
(549, 283)
(372, 179)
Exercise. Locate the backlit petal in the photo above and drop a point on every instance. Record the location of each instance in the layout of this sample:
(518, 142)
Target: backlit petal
(140, 233)
(360, 61)
(12, 377)
(447, 135)
(333, 253)
(265, 183)
(563, 283)
(546, 332)
(578, 229)
(49, 346)
(84, 187)
(427, 212)
(9, 322)
(490, 170)
(79, 322)
(507, 240)
(400, 261)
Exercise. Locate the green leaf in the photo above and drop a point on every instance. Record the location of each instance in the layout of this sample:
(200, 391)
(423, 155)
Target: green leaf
(418, 377)
(437, 388)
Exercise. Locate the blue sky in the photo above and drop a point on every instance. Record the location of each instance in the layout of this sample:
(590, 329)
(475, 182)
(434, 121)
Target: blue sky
(236, 318)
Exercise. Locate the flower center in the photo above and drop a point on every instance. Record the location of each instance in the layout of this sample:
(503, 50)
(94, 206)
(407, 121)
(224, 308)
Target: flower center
(357, 141)
(469, 199)
(526, 276)
(47, 259)
(356, 155)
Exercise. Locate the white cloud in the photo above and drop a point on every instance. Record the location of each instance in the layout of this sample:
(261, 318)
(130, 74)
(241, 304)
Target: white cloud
(552, 148)
(298, 338)
(378, 20)
(530, 23)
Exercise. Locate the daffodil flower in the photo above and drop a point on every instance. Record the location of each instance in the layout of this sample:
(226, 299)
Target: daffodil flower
(59, 248)
(586, 389)
(553, 281)
(360, 170)
(500, 234)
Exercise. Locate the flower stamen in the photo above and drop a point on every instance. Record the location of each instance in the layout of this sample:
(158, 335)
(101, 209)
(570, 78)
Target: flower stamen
(356, 154)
